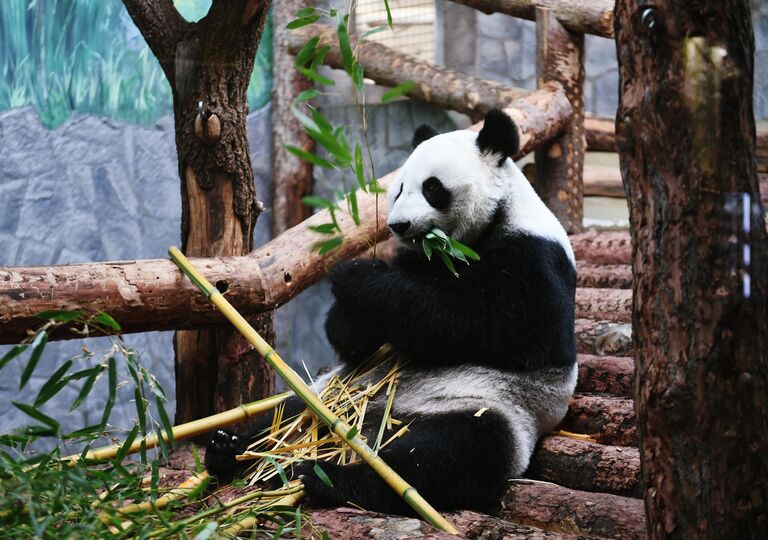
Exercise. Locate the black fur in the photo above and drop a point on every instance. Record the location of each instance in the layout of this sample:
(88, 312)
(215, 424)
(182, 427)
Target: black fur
(499, 136)
(422, 133)
(436, 193)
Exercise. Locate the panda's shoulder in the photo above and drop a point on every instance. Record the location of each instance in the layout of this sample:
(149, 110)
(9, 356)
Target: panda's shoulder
(532, 255)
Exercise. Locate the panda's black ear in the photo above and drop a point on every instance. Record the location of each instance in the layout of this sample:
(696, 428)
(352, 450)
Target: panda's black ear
(422, 133)
(499, 136)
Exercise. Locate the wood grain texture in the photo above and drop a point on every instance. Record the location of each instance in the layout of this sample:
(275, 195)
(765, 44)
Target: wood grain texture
(607, 419)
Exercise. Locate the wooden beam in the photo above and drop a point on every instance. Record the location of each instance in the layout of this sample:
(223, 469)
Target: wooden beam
(442, 87)
(152, 295)
(560, 163)
(609, 420)
(603, 338)
(612, 375)
(591, 17)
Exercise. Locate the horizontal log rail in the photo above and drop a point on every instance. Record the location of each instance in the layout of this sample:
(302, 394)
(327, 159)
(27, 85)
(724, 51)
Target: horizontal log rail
(603, 338)
(611, 375)
(386, 66)
(151, 295)
(608, 420)
(590, 17)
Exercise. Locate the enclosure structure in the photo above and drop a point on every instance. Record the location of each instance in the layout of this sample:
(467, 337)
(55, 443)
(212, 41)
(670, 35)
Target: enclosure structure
(598, 484)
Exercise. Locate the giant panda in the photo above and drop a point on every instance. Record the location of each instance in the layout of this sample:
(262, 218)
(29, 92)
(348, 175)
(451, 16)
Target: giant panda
(491, 359)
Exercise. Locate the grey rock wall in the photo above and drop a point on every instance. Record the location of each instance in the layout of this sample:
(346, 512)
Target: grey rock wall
(96, 190)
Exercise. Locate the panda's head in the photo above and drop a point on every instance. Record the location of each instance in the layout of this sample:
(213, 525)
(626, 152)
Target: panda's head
(454, 181)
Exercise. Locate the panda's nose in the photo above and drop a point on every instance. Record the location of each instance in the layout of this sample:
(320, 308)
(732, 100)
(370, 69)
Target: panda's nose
(400, 227)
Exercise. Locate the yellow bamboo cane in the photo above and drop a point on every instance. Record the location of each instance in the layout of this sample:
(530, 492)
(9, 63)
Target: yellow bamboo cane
(295, 383)
(185, 431)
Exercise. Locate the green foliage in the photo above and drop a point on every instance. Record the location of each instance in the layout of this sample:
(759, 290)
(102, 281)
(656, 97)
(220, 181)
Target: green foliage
(62, 56)
(436, 241)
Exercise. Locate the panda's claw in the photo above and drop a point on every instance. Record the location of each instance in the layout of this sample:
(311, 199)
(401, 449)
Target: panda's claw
(221, 453)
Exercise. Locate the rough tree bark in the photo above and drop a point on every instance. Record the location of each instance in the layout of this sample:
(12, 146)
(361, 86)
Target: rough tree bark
(686, 136)
(291, 177)
(208, 65)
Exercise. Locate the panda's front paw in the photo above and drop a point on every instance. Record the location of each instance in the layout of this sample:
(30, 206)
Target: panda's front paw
(316, 490)
(353, 335)
(220, 454)
(353, 283)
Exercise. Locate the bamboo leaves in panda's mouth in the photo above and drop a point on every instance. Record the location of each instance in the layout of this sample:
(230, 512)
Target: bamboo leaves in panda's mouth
(436, 241)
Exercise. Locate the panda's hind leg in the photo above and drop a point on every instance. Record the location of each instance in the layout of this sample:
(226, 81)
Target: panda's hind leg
(454, 460)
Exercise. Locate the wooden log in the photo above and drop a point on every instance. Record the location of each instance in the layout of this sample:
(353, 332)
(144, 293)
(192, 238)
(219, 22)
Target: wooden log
(353, 524)
(587, 466)
(609, 420)
(442, 87)
(560, 509)
(604, 304)
(603, 181)
(593, 17)
(291, 176)
(608, 247)
(603, 338)
(612, 276)
(601, 133)
(153, 295)
(613, 375)
(560, 163)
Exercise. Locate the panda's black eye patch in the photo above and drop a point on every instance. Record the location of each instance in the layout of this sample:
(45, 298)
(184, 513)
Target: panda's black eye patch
(436, 194)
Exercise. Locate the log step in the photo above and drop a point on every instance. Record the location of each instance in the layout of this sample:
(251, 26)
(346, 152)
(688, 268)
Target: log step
(559, 509)
(612, 375)
(608, 420)
(603, 337)
(604, 247)
(587, 466)
(604, 304)
(603, 276)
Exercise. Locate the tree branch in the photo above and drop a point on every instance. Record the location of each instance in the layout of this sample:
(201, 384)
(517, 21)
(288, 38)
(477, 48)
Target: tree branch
(162, 27)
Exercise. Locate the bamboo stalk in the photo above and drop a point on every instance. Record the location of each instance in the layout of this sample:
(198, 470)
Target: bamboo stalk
(337, 425)
(186, 431)
(291, 499)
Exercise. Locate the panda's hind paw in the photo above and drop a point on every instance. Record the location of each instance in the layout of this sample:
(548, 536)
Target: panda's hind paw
(221, 452)
(318, 493)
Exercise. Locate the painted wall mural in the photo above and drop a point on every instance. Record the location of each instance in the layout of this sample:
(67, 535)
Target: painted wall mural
(62, 56)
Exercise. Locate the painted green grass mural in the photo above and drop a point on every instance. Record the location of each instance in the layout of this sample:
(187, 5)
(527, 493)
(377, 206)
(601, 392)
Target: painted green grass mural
(62, 56)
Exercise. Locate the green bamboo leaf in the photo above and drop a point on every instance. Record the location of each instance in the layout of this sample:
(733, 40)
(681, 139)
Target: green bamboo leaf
(55, 382)
(427, 248)
(359, 169)
(358, 78)
(321, 474)
(198, 464)
(302, 21)
(466, 250)
(106, 320)
(154, 483)
(318, 202)
(319, 58)
(325, 228)
(305, 12)
(322, 123)
(87, 431)
(448, 263)
(353, 210)
(38, 345)
(112, 388)
(87, 386)
(399, 90)
(60, 315)
(306, 52)
(353, 431)
(313, 75)
(279, 468)
(311, 158)
(307, 95)
(372, 31)
(347, 58)
(389, 14)
(141, 410)
(167, 426)
(15, 351)
(37, 415)
(328, 245)
(126, 446)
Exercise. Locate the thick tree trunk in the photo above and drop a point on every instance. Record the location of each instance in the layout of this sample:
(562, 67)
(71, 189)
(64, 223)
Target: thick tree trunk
(209, 64)
(686, 137)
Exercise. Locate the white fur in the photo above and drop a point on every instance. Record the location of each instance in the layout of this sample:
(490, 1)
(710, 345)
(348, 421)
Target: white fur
(477, 184)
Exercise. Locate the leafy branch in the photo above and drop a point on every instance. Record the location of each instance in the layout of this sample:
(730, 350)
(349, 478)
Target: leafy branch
(436, 241)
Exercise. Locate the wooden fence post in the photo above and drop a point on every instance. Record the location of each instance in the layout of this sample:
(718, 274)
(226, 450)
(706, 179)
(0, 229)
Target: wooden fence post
(560, 164)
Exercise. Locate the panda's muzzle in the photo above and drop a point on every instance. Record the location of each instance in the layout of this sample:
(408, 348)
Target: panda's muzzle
(400, 228)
